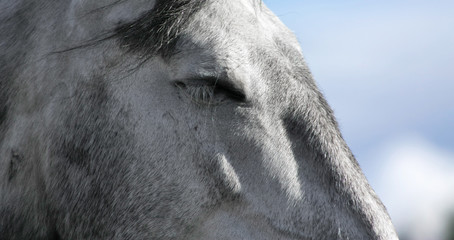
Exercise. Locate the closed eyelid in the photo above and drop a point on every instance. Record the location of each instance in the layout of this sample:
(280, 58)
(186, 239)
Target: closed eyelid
(233, 90)
(220, 85)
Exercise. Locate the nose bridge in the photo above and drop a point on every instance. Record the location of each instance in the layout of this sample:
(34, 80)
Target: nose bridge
(327, 162)
(333, 189)
(334, 196)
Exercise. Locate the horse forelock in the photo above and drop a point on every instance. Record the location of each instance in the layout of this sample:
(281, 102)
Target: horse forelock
(156, 31)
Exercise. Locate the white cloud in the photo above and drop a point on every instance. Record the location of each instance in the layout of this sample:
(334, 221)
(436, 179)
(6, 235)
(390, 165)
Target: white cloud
(416, 183)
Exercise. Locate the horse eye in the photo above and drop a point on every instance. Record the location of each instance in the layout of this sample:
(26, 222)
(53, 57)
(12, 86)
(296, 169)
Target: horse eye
(211, 91)
(230, 91)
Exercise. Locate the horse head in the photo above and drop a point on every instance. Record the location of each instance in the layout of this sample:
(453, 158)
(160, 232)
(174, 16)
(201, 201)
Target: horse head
(174, 119)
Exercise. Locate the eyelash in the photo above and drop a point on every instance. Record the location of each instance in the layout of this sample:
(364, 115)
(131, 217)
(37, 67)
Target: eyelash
(201, 94)
(210, 94)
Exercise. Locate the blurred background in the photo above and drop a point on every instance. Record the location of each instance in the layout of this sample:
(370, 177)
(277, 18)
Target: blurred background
(387, 69)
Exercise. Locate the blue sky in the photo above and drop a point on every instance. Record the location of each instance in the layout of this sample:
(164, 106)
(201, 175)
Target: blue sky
(387, 70)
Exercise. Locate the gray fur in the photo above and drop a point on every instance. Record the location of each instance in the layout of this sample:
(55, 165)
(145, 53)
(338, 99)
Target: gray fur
(207, 126)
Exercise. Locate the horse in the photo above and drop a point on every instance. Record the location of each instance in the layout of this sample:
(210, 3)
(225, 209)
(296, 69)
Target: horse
(169, 119)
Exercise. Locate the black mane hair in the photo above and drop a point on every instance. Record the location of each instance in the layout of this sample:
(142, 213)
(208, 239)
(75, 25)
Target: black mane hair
(157, 30)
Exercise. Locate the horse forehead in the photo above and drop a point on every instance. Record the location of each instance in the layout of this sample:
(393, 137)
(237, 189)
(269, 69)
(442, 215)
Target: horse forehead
(238, 32)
